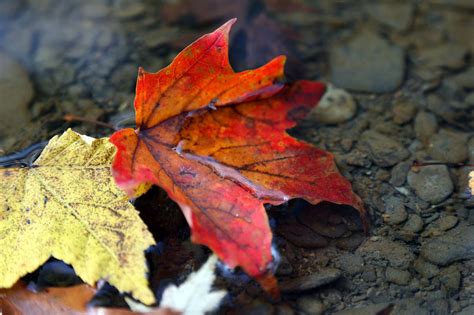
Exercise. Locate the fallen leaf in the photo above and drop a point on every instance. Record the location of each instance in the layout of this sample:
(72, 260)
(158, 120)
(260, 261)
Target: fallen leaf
(19, 300)
(66, 205)
(222, 163)
(71, 300)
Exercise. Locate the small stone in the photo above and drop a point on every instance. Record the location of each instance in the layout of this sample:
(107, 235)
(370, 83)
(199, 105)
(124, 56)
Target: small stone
(310, 305)
(425, 269)
(431, 183)
(315, 280)
(447, 222)
(399, 172)
(450, 277)
(397, 276)
(336, 106)
(398, 16)
(425, 126)
(454, 245)
(367, 63)
(351, 263)
(414, 224)
(448, 55)
(384, 151)
(382, 249)
(448, 147)
(395, 212)
(403, 112)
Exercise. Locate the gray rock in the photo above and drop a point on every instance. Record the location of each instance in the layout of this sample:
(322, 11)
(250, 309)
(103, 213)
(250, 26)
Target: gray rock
(448, 147)
(382, 249)
(351, 263)
(431, 183)
(425, 269)
(310, 305)
(454, 245)
(16, 92)
(336, 106)
(399, 172)
(397, 276)
(398, 16)
(395, 212)
(447, 222)
(448, 55)
(450, 277)
(383, 150)
(320, 278)
(403, 112)
(425, 126)
(414, 224)
(367, 63)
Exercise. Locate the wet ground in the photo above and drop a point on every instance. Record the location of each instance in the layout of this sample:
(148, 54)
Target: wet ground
(406, 70)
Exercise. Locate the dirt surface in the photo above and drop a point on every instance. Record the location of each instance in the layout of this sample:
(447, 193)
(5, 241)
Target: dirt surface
(402, 75)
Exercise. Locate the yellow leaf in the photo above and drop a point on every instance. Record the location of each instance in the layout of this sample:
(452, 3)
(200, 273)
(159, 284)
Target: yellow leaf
(66, 205)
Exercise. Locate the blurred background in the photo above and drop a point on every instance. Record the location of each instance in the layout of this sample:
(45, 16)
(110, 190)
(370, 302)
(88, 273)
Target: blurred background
(81, 57)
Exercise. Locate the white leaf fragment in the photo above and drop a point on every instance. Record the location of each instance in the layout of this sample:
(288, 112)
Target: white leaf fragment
(194, 296)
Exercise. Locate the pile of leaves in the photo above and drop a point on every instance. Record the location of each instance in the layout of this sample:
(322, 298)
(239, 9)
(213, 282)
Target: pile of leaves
(213, 139)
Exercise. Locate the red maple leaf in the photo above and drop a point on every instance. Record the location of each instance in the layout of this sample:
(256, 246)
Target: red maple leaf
(215, 140)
